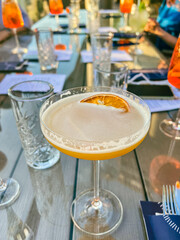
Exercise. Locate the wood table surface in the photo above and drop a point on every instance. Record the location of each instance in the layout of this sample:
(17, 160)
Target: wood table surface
(46, 195)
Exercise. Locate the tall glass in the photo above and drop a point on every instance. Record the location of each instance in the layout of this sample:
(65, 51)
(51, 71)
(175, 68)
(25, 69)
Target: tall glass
(167, 126)
(12, 18)
(125, 8)
(56, 7)
(98, 211)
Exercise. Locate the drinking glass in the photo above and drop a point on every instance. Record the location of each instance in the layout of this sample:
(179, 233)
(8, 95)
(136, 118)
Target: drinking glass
(12, 18)
(93, 18)
(26, 98)
(125, 8)
(73, 15)
(167, 126)
(116, 76)
(98, 211)
(56, 7)
(45, 46)
(9, 191)
(137, 22)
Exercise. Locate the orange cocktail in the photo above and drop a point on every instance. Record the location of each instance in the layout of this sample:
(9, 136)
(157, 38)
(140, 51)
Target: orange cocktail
(11, 14)
(56, 6)
(174, 68)
(95, 124)
(94, 132)
(126, 5)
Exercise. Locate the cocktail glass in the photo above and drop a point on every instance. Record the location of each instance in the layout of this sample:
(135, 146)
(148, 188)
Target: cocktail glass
(125, 8)
(12, 18)
(56, 7)
(169, 127)
(137, 21)
(98, 211)
(9, 191)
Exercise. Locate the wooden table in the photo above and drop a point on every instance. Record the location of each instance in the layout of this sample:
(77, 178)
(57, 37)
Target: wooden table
(46, 195)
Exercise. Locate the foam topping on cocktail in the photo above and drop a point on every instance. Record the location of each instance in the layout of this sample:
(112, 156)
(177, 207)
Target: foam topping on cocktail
(95, 131)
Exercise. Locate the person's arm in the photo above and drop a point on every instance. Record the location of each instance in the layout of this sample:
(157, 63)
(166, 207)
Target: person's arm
(167, 37)
(153, 27)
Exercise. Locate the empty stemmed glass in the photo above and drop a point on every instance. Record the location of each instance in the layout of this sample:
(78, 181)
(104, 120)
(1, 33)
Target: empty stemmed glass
(9, 191)
(167, 126)
(12, 18)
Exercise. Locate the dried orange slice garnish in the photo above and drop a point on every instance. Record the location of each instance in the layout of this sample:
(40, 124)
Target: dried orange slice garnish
(108, 100)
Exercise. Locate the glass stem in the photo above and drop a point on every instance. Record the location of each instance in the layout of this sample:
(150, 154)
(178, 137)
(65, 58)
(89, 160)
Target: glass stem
(57, 20)
(96, 165)
(125, 19)
(177, 121)
(16, 37)
(137, 40)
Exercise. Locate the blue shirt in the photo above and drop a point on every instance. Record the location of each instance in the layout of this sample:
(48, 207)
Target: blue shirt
(169, 21)
(24, 14)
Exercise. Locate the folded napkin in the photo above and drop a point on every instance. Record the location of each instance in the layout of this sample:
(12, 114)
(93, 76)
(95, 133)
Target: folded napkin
(7, 67)
(62, 55)
(122, 42)
(116, 56)
(151, 74)
(57, 80)
(65, 25)
(124, 35)
(159, 226)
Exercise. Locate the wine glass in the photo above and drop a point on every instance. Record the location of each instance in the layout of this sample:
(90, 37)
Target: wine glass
(12, 18)
(167, 126)
(56, 7)
(98, 211)
(125, 7)
(9, 191)
(137, 21)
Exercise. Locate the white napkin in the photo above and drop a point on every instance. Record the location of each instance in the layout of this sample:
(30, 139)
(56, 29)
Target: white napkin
(116, 56)
(57, 80)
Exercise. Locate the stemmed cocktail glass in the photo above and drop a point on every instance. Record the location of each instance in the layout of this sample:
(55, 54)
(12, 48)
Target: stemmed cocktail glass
(56, 7)
(167, 126)
(137, 21)
(9, 191)
(125, 8)
(79, 128)
(12, 18)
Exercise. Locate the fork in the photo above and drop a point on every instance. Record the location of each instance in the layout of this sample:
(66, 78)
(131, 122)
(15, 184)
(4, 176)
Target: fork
(170, 206)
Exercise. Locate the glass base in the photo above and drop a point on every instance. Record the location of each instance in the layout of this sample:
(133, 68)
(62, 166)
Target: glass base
(11, 193)
(97, 218)
(44, 158)
(125, 29)
(167, 126)
(19, 50)
(136, 51)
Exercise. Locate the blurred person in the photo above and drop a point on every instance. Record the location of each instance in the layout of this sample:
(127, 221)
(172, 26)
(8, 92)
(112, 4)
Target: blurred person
(5, 33)
(166, 27)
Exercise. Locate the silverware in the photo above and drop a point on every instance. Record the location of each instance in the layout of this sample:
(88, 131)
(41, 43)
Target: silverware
(21, 65)
(170, 206)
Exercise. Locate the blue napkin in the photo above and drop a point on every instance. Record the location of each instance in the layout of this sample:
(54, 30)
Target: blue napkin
(7, 67)
(124, 35)
(151, 74)
(160, 227)
(65, 25)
